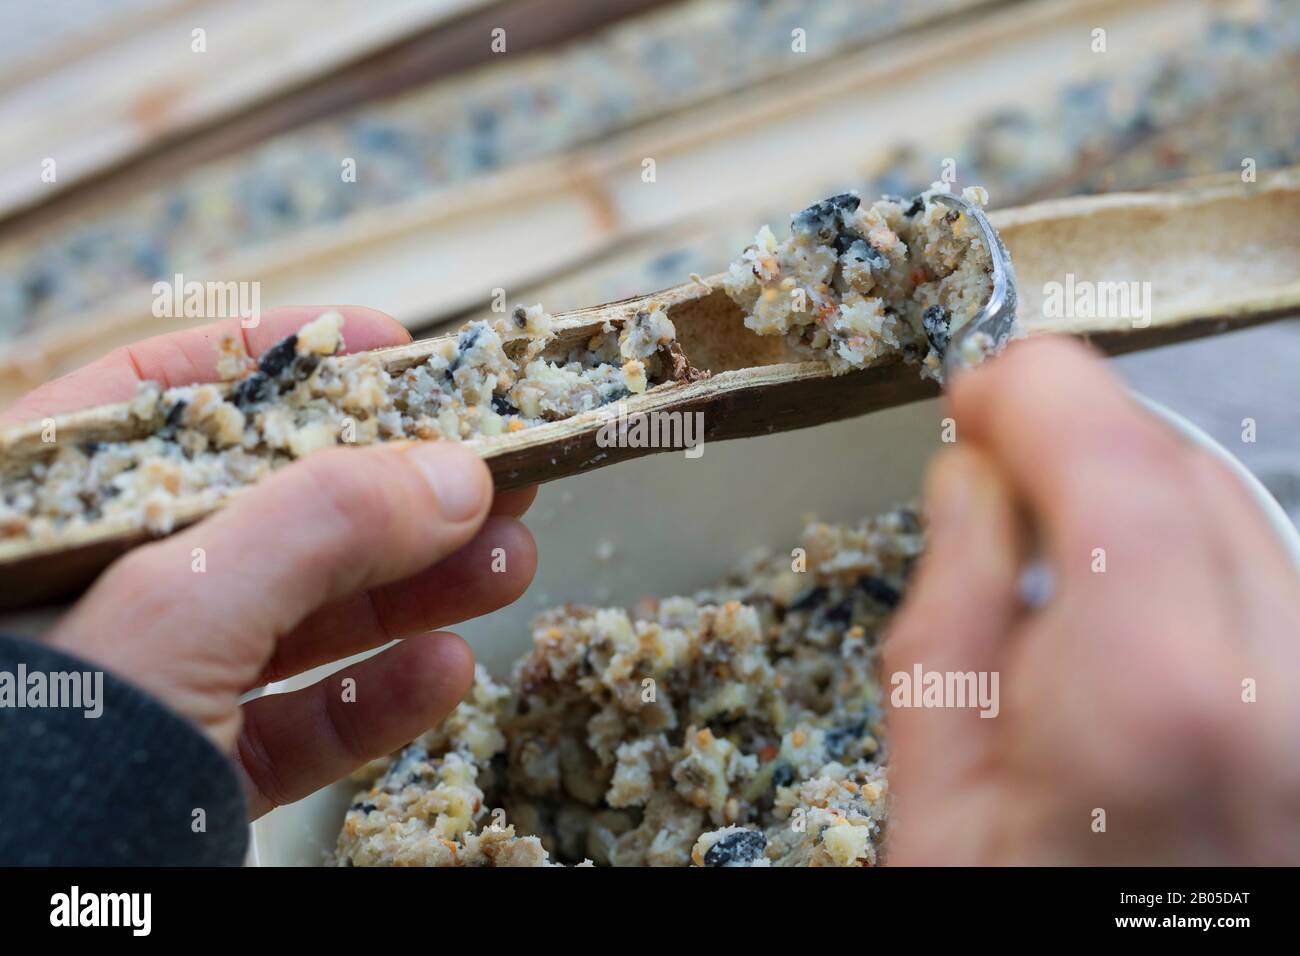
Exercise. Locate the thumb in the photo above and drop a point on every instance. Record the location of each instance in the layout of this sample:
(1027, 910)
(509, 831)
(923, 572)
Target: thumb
(960, 609)
(194, 618)
(965, 596)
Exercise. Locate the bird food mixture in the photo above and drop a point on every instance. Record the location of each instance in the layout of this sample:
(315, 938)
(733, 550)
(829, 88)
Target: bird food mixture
(854, 283)
(850, 285)
(302, 395)
(738, 727)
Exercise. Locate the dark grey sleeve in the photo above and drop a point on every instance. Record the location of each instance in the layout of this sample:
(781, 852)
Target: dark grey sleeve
(135, 785)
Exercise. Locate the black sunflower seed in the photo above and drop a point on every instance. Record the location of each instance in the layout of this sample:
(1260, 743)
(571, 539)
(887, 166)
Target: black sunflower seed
(841, 613)
(782, 775)
(276, 360)
(839, 739)
(810, 598)
(880, 591)
(252, 390)
(825, 219)
(863, 251)
(935, 321)
(743, 846)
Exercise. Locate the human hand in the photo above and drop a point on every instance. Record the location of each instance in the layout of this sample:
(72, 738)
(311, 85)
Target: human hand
(337, 554)
(1125, 693)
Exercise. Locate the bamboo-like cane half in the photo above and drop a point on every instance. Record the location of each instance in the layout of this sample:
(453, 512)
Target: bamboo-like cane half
(1216, 254)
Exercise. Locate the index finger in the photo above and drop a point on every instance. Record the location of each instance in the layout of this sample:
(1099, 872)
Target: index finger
(190, 356)
(1093, 465)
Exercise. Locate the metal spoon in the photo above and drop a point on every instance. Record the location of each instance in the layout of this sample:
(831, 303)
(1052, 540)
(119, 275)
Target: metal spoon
(998, 316)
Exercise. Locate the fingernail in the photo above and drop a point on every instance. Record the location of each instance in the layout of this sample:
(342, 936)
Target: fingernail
(455, 475)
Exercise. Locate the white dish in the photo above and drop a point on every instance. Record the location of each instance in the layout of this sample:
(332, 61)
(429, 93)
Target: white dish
(673, 525)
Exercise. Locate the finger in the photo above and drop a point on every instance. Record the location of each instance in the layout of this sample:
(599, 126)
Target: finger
(514, 503)
(1096, 470)
(964, 602)
(293, 744)
(488, 573)
(334, 523)
(1254, 566)
(955, 619)
(1247, 544)
(972, 559)
(190, 356)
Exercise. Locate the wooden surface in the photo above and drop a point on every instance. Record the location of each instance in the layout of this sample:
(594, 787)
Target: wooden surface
(373, 65)
(107, 103)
